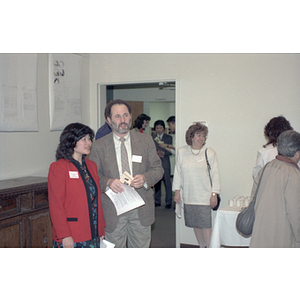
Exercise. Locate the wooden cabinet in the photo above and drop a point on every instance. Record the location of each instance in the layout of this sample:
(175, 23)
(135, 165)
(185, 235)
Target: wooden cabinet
(24, 213)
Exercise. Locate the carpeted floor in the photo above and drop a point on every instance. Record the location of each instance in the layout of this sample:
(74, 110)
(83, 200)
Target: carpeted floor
(163, 229)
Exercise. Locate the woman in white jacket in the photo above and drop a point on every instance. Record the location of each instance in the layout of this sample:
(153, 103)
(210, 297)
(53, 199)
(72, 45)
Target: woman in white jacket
(192, 185)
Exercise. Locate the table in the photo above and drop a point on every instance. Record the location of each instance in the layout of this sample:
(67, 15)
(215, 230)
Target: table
(224, 232)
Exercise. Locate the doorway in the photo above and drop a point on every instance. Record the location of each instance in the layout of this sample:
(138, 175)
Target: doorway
(155, 99)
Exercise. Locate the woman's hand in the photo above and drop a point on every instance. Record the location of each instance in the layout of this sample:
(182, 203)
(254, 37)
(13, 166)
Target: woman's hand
(177, 197)
(68, 242)
(213, 200)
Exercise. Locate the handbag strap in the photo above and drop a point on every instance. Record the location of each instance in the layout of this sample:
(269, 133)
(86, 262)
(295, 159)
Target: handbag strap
(208, 166)
(254, 197)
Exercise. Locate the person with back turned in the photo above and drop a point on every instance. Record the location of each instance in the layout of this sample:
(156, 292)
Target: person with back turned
(268, 152)
(277, 206)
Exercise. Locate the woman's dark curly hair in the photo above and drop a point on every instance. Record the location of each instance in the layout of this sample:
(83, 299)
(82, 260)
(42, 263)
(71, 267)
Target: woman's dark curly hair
(69, 137)
(193, 129)
(138, 123)
(273, 129)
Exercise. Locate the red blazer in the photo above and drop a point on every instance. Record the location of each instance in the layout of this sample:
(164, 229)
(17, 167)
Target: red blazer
(68, 201)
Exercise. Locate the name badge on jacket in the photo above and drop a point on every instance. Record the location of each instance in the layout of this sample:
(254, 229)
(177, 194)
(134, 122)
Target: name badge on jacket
(73, 174)
(136, 158)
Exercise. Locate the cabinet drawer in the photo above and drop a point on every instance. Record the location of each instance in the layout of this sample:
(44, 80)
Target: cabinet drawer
(9, 206)
(40, 199)
(34, 200)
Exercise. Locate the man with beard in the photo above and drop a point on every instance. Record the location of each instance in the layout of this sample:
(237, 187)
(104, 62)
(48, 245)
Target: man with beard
(134, 227)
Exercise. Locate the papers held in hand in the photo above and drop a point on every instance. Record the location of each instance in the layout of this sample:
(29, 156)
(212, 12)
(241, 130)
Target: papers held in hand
(106, 244)
(125, 201)
(157, 140)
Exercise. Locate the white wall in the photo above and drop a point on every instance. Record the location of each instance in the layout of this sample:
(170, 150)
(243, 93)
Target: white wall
(160, 111)
(30, 153)
(236, 94)
(145, 94)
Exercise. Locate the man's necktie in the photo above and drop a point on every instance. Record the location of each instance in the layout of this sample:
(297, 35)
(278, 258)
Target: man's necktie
(124, 157)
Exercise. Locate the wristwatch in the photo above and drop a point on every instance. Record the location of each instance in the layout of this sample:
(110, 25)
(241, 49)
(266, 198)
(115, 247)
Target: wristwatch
(214, 194)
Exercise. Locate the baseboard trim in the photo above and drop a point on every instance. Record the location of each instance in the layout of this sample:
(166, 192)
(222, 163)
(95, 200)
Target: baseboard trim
(188, 246)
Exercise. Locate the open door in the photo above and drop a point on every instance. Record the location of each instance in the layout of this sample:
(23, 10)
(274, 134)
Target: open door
(137, 109)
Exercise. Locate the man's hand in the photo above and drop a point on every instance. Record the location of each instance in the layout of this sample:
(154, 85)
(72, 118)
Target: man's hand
(138, 181)
(160, 153)
(115, 185)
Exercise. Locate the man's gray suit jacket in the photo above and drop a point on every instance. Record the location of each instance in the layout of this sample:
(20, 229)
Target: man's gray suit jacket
(104, 155)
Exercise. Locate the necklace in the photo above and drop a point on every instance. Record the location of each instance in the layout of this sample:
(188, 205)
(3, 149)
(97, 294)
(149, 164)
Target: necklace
(195, 153)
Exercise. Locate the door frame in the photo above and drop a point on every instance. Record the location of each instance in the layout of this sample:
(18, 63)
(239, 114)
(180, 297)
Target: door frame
(101, 103)
(102, 95)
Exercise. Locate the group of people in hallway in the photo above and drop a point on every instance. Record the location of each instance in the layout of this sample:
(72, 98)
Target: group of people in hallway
(82, 214)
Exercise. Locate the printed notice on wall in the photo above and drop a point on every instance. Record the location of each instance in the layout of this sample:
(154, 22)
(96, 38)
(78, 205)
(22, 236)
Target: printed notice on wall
(65, 90)
(18, 93)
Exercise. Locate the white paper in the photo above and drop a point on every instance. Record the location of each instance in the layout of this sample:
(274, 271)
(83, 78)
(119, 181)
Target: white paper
(126, 178)
(106, 244)
(64, 90)
(18, 92)
(125, 201)
(178, 210)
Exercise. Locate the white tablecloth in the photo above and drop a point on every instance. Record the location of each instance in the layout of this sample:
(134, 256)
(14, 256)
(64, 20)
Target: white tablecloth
(224, 231)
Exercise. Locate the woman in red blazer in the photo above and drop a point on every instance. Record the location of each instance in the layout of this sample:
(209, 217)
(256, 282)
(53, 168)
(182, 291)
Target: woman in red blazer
(74, 191)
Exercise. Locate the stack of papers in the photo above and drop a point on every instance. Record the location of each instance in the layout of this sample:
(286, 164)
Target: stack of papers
(106, 244)
(125, 201)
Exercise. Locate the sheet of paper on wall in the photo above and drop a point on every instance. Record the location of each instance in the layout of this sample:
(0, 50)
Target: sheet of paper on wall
(106, 244)
(125, 201)
(65, 96)
(18, 92)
